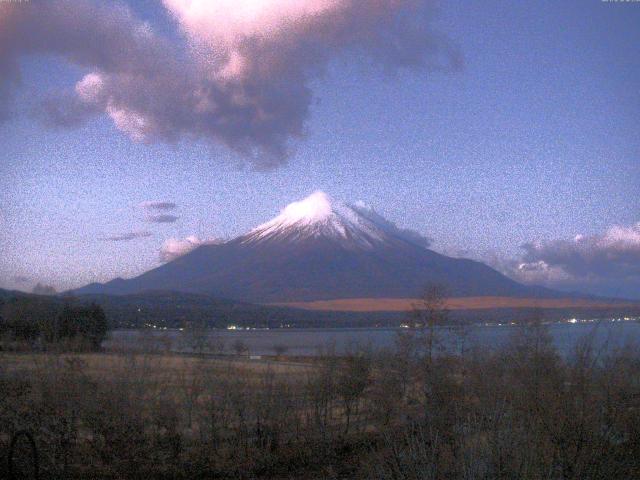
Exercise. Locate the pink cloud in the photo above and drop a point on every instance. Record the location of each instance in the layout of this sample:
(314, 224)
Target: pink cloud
(174, 248)
(244, 80)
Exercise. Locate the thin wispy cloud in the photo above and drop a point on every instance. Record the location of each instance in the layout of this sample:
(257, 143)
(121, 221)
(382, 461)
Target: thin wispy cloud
(158, 205)
(244, 80)
(150, 207)
(162, 218)
(125, 237)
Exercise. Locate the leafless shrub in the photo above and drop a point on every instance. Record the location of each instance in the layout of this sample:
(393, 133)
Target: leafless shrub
(521, 411)
(280, 349)
(239, 347)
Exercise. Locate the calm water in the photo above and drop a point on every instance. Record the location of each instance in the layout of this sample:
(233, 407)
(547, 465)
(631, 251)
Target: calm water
(311, 341)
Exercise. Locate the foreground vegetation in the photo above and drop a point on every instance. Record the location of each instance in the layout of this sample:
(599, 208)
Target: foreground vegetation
(423, 411)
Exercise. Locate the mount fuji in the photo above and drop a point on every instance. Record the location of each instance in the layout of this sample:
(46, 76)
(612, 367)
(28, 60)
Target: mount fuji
(320, 249)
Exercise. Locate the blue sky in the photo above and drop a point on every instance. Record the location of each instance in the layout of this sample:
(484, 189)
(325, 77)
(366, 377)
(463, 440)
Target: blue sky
(532, 140)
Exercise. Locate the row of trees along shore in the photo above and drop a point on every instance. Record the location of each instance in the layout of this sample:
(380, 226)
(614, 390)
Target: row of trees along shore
(37, 322)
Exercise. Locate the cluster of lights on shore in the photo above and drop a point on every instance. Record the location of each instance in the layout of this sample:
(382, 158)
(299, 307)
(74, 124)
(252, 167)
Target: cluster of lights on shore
(404, 325)
(592, 320)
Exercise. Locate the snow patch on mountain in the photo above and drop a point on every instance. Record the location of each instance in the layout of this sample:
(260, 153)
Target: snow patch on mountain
(317, 207)
(319, 216)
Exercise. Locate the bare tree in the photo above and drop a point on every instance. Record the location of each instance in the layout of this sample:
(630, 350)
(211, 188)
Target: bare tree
(190, 380)
(429, 313)
(353, 379)
(197, 337)
(280, 349)
(239, 347)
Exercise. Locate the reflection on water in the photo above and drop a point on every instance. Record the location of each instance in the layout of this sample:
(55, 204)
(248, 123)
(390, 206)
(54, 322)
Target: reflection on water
(305, 342)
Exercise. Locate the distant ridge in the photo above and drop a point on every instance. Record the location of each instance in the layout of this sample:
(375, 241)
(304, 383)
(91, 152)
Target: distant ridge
(320, 249)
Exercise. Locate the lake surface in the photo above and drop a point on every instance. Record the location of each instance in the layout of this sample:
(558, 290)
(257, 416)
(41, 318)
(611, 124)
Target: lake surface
(309, 342)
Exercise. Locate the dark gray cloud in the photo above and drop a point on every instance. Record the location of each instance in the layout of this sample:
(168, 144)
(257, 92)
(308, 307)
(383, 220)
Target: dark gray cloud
(154, 206)
(64, 110)
(21, 279)
(162, 218)
(127, 237)
(243, 78)
(606, 263)
(104, 36)
(612, 254)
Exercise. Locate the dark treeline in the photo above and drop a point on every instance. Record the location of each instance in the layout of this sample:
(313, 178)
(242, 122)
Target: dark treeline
(31, 322)
(425, 410)
(178, 310)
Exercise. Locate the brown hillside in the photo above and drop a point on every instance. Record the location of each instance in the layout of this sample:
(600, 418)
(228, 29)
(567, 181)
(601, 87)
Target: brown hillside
(457, 303)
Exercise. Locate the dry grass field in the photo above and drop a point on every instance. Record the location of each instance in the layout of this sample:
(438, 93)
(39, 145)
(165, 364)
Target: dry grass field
(166, 369)
(414, 413)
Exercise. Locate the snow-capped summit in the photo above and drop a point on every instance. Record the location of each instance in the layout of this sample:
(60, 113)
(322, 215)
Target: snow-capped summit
(315, 208)
(319, 216)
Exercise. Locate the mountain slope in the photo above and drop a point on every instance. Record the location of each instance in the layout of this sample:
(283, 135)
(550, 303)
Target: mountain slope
(317, 249)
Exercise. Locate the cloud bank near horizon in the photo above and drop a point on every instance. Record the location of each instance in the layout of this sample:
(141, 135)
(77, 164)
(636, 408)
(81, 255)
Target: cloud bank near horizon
(609, 260)
(614, 253)
(240, 79)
